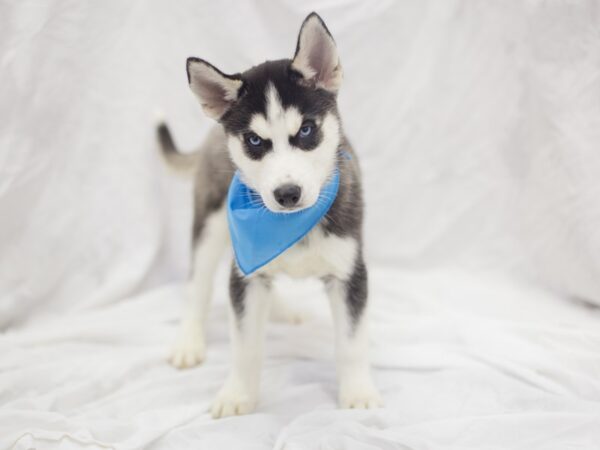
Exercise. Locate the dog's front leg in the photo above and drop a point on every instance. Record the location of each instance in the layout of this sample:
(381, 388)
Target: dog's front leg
(249, 308)
(348, 299)
(189, 348)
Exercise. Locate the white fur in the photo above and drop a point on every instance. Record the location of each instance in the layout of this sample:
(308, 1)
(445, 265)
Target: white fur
(239, 395)
(189, 348)
(317, 256)
(356, 388)
(286, 164)
(286, 312)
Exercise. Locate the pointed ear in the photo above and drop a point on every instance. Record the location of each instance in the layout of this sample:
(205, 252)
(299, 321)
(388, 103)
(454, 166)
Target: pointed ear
(316, 55)
(215, 90)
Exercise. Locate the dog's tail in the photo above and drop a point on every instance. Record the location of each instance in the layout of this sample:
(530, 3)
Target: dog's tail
(184, 163)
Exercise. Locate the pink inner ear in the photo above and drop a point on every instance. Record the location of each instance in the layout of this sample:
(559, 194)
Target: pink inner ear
(318, 54)
(213, 96)
(320, 59)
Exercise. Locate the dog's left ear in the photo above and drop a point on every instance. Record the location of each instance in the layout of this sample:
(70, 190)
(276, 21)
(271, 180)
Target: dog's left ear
(316, 57)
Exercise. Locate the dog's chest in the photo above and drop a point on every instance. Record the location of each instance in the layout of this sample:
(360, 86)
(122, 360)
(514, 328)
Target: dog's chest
(317, 255)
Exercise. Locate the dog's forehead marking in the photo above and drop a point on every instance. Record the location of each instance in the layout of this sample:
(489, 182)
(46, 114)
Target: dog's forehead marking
(274, 106)
(280, 122)
(259, 124)
(293, 120)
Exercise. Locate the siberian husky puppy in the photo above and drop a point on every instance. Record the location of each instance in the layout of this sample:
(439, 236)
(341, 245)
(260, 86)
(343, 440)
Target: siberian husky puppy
(279, 126)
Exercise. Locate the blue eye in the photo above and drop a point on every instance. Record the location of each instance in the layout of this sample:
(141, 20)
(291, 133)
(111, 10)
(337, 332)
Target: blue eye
(306, 130)
(254, 140)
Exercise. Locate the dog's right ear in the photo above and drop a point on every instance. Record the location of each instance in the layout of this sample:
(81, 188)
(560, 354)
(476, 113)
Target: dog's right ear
(215, 90)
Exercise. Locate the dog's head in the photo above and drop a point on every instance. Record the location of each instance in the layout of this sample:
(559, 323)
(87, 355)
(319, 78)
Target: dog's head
(280, 118)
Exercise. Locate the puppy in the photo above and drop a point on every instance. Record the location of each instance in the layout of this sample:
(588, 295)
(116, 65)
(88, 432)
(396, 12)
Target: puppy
(279, 127)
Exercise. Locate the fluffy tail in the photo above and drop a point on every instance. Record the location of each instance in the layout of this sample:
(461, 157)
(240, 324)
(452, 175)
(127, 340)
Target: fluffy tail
(181, 162)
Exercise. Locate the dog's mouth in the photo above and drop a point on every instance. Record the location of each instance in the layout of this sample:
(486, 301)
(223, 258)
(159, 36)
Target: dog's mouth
(278, 209)
(290, 210)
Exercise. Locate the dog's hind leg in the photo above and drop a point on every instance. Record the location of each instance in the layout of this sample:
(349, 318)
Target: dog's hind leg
(282, 311)
(211, 239)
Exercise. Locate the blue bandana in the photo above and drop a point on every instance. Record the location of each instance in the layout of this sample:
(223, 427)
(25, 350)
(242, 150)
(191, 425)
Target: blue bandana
(259, 235)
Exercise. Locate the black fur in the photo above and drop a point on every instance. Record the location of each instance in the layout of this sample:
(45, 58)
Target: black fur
(312, 103)
(211, 186)
(212, 202)
(193, 59)
(345, 217)
(213, 175)
(237, 290)
(357, 290)
(309, 142)
(165, 139)
(256, 152)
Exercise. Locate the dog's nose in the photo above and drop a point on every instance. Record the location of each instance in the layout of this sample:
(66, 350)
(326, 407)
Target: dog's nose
(287, 195)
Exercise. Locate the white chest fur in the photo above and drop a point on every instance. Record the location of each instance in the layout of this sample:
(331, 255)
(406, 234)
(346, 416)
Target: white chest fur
(316, 255)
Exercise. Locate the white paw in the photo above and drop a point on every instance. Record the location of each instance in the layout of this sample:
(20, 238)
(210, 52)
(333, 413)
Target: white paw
(189, 349)
(233, 401)
(359, 395)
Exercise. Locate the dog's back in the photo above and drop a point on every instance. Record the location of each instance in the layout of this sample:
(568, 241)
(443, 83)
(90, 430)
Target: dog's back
(210, 166)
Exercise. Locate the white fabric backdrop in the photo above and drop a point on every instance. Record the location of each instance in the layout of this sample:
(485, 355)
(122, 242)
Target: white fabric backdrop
(478, 128)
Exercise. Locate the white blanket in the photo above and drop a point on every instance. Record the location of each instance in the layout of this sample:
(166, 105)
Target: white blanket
(478, 129)
(462, 363)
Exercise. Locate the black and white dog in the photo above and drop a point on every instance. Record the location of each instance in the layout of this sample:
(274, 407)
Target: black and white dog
(279, 126)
